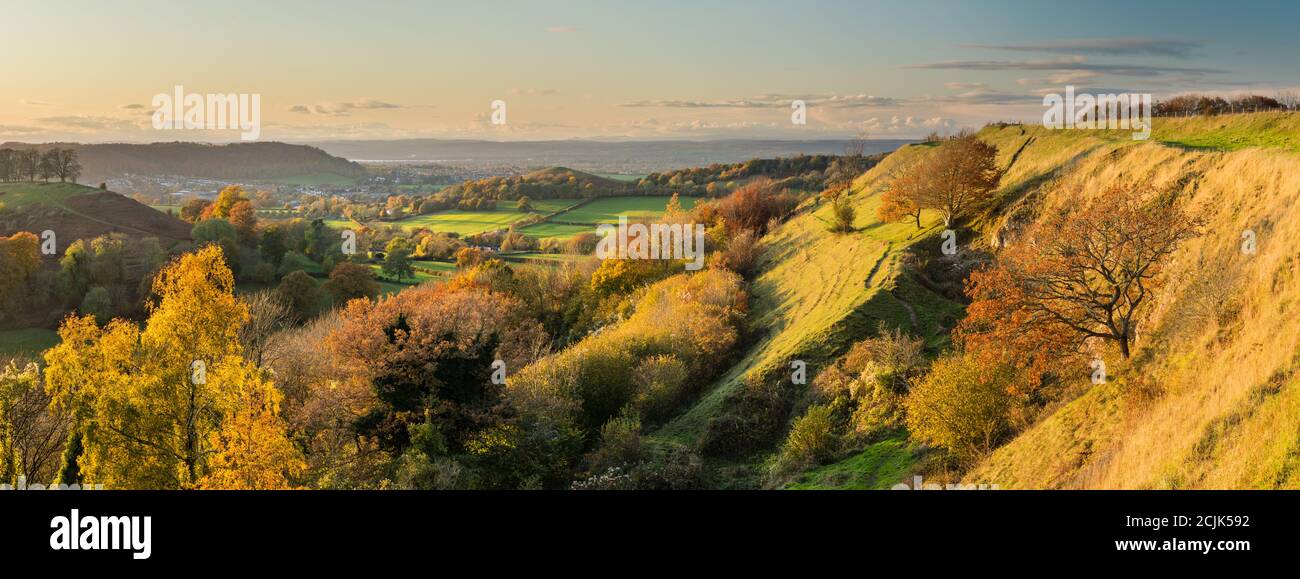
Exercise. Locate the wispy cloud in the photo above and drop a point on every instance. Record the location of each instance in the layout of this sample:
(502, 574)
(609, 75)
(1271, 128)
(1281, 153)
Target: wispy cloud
(1074, 63)
(562, 29)
(770, 101)
(34, 103)
(1105, 47)
(342, 109)
(534, 91)
(90, 123)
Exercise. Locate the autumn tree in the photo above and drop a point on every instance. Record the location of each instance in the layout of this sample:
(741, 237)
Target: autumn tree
(962, 175)
(227, 199)
(1083, 274)
(429, 354)
(150, 404)
(302, 293)
(467, 257)
(20, 260)
(244, 217)
(194, 209)
(349, 281)
(954, 180)
(902, 200)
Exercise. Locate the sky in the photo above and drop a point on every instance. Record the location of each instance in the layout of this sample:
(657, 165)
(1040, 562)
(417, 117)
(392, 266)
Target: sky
(89, 70)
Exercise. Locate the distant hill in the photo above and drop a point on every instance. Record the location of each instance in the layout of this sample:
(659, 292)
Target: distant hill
(600, 156)
(78, 212)
(264, 161)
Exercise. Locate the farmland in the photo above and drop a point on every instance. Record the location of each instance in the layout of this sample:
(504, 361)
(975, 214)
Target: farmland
(608, 210)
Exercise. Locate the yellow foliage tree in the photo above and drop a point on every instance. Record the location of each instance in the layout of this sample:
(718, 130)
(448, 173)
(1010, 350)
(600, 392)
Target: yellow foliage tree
(151, 404)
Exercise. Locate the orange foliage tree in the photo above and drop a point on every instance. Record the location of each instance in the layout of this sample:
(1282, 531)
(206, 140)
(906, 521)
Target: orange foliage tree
(1078, 275)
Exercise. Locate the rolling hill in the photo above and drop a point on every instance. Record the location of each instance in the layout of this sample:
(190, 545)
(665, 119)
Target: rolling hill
(1211, 397)
(79, 212)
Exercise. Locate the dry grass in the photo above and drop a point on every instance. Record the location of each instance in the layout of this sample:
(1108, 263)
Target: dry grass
(1211, 399)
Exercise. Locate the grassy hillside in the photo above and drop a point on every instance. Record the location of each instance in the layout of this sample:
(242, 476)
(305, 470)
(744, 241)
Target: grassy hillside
(816, 294)
(1211, 398)
(79, 212)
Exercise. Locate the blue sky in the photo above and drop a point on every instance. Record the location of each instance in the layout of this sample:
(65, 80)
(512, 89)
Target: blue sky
(615, 69)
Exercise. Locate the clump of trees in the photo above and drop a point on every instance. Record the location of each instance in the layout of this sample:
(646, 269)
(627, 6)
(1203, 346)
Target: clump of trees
(172, 404)
(33, 164)
(955, 181)
(1191, 105)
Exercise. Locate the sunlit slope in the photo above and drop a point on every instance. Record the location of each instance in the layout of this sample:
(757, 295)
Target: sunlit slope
(818, 292)
(1211, 398)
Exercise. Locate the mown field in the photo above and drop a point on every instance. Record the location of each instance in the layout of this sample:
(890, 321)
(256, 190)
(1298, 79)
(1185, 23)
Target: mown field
(479, 221)
(604, 211)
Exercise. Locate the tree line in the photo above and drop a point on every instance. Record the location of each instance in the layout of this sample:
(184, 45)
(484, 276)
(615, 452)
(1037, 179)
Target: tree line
(32, 164)
(1192, 105)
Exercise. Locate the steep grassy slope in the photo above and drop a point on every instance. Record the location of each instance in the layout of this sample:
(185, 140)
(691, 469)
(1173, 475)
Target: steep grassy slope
(1211, 398)
(817, 293)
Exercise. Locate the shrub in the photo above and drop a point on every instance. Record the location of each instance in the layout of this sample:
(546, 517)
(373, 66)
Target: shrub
(754, 205)
(811, 440)
(961, 406)
(842, 214)
(620, 442)
(661, 383)
(741, 254)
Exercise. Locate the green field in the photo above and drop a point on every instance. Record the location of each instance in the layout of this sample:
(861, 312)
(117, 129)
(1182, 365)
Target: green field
(608, 210)
(20, 195)
(879, 466)
(479, 221)
(29, 341)
(605, 210)
(544, 230)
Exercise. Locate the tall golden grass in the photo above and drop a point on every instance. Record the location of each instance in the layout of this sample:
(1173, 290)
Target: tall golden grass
(1210, 399)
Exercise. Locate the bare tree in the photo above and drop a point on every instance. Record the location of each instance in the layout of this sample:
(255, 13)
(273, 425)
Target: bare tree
(267, 314)
(66, 166)
(29, 164)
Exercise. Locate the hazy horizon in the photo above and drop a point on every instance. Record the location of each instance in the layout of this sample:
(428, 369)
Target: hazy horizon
(565, 70)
